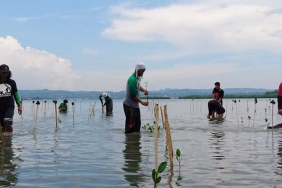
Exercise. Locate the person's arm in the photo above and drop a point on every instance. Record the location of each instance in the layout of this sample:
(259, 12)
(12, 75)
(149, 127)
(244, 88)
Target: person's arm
(60, 106)
(146, 92)
(132, 89)
(17, 97)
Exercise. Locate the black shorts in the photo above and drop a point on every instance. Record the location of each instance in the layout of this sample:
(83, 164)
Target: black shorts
(279, 101)
(133, 119)
(6, 116)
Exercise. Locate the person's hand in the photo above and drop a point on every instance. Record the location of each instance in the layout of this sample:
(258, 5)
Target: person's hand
(20, 110)
(146, 92)
(145, 103)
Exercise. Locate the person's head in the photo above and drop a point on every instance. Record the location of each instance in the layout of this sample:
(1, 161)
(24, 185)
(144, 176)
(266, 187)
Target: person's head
(217, 85)
(65, 101)
(5, 72)
(104, 95)
(140, 69)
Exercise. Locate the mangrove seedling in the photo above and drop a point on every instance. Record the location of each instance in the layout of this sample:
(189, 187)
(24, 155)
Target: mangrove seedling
(60, 121)
(256, 101)
(266, 122)
(241, 120)
(249, 117)
(155, 175)
(178, 156)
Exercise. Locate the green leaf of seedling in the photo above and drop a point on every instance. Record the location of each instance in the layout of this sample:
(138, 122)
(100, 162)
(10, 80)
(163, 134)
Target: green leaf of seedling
(159, 128)
(154, 175)
(249, 117)
(158, 180)
(162, 167)
(178, 153)
(179, 178)
(266, 119)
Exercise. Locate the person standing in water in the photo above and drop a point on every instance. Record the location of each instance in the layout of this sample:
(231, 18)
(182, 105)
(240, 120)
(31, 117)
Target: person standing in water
(279, 99)
(63, 108)
(217, 93)
(8, 94)
(132, 100)
(108, 102)
(214, 106)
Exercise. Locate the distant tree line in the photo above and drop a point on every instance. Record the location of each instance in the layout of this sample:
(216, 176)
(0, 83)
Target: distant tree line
(269, 94)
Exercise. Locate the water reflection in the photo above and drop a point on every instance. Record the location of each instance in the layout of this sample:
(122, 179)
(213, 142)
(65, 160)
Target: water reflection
(132, 159)
(279, 154)
(7, 175)
(217, 140)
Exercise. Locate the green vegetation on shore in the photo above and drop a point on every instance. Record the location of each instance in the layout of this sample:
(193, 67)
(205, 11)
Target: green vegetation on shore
(269, 94)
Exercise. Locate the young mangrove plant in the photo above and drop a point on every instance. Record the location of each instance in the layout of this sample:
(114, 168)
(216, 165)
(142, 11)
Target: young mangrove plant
(249, 117)
(178, 158)
(155, 174)
(273, 103)
(150, 128)
(266, 122)
(236, 111)
(255, 110)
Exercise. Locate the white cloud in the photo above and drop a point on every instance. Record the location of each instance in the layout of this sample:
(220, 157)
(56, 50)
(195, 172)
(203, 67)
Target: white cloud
(205, 26)
(37, 69)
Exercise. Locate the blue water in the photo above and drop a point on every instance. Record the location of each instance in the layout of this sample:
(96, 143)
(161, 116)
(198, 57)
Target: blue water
(95, 152)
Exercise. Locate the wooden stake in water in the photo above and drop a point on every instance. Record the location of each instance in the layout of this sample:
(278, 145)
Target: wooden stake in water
(162, 116)
(72, 112)
(45, 108)
(56, 113)
(35, 116)
(256, 101)
(156, 135)
(273, 103)
(168, 137)
(236, 111)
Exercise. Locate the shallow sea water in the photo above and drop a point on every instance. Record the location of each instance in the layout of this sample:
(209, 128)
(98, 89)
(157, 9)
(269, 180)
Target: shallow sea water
(95, 152)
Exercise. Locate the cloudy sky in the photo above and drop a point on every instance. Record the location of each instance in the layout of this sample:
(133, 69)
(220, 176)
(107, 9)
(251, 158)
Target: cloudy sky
(95, 45)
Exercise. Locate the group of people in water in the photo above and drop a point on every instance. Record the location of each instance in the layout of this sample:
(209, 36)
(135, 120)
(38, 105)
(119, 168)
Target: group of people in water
(9, 96)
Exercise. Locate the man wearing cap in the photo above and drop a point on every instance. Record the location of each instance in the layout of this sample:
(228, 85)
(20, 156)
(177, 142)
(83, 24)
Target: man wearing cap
(108, 102)
(8, 93)
(132, 100)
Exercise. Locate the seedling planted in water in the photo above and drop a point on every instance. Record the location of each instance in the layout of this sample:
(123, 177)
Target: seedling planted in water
(155, 175)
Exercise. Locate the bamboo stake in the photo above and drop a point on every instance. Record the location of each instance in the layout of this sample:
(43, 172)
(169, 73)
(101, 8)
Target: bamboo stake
(56, 114)
(35, 116)
(162, 116)
(156, 109)
(45, 108)
(73, 107)
(169, 142)
(255, 112)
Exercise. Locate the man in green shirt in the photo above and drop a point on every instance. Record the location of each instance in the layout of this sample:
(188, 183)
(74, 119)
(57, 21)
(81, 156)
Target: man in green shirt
(108, 102)
(63, 106)
(8, 94)
(132, 100)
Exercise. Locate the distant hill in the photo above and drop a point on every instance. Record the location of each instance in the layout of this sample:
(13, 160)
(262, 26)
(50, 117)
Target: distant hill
(172, 93)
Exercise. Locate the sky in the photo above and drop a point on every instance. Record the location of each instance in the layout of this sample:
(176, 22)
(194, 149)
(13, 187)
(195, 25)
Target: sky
(94, 45)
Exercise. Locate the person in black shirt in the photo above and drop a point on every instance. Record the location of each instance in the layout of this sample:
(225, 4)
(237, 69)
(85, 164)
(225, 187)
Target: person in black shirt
(214, 106)
(218, 93)
(8, 93)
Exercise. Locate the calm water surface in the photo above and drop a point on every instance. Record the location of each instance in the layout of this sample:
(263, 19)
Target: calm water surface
(94, 152)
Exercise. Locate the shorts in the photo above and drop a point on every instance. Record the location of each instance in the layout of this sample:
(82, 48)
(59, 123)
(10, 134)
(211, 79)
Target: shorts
(279, 101)
(6, 116)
